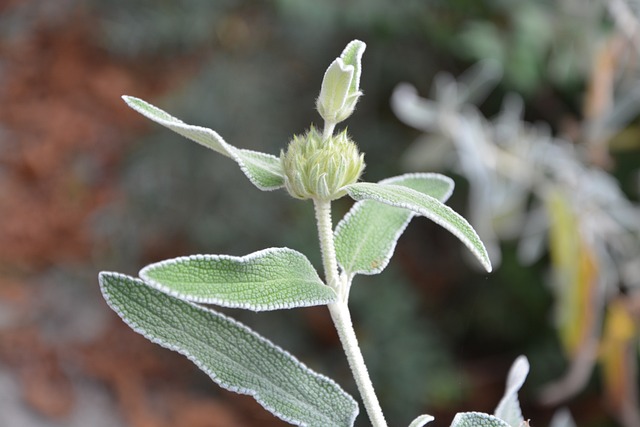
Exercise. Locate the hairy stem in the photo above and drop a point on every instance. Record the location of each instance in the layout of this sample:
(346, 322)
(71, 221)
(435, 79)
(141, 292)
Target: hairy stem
(327, 245)
(328, 130)
(341, 316)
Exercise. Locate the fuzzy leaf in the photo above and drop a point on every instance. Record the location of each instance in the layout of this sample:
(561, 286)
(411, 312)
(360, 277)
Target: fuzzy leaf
(263, 170)
(366, 237)
(421, 421)
(335, 88)
(508, 409)
(352, 55)
(477, 419)
(425, 205)
(231, 354)
(270, 279)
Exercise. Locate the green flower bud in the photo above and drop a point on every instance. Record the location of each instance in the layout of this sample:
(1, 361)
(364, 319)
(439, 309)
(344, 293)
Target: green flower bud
(318, 169)
(340, 89)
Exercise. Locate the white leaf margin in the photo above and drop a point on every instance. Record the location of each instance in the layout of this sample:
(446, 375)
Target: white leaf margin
(217, 143)
(240, 390)
(144, 275)
(486, 420)
(355, 48)
(372, 194)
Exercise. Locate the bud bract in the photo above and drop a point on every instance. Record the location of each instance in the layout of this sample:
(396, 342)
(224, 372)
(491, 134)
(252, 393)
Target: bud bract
(340, 89)
(318, 169)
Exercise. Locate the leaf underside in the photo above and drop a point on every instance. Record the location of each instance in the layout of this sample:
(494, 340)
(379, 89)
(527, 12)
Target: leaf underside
(271, 279)
(231, 354)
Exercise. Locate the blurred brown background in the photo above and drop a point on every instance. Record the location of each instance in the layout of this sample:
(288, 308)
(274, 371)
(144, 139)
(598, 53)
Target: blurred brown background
(87, 185)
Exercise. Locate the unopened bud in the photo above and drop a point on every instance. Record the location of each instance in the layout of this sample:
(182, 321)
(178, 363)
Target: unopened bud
(319, 169)
(340, 89)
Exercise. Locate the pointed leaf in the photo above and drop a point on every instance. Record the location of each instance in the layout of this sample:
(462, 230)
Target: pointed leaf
(477, 419)
(508, 409)
(231, 354)
(366, 237)
(352, 55)
(421, 421)
(271, 279)
(424, 205)
(263, 170)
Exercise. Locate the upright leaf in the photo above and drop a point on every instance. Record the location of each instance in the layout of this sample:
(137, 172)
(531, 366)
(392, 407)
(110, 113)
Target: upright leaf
(263, 170)
(425, 205)
(366, 237)
(508, 409)
(352, 55)
(231, 354)
(477, 419)
(270, 279)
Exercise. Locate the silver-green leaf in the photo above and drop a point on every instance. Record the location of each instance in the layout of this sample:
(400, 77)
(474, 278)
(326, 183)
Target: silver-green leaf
(271, 279)
(231, 354)
(263, 170)
(352, 55)
(425, 205)
(477, 419)
(366, 237)
(421, 421)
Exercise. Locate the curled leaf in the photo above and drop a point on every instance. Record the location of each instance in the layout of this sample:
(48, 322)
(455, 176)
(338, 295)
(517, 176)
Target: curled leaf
(263, 170)
(424, 205)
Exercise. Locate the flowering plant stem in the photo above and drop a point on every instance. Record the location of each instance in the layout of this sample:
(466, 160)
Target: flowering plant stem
(342, 318)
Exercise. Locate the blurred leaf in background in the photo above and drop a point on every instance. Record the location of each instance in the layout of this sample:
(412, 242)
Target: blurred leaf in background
(86, 182)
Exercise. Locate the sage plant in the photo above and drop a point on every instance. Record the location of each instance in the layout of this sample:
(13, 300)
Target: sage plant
(169, 302)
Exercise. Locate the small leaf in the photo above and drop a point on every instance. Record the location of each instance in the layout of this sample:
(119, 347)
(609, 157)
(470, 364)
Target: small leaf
(424, 205)
(231, 354)
(340, 88)
(352, 55)
(271, 279)
(263, 170)
(421, 421)
(366, 237)
(477, 419)
(508, 409)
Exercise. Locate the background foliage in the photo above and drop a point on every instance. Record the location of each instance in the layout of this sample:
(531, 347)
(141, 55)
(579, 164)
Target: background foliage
(87, 185)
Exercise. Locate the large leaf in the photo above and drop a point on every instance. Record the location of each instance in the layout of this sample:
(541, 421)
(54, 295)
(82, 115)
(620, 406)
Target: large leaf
(231, 354)
(508, 409)
(271, 279)
(366, 237)
(425, 205)
(477, 419)
(264, 170)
